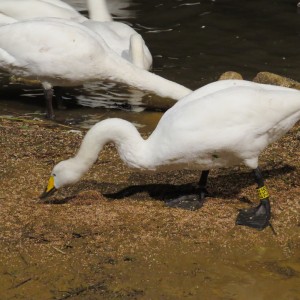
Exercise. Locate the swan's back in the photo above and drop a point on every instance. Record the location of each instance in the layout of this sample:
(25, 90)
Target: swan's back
(67, 50)
(244, 103)
(130, 45)
(231, 119)
(111, 37)
(216, 86)
(27, 9)
(60, 4)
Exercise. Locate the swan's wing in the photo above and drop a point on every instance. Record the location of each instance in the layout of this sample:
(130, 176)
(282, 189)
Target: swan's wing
(256, 105)
(60, 4)
(42, 49)
(236, 119)
(220, 85)
(25, 9)
(122, 29)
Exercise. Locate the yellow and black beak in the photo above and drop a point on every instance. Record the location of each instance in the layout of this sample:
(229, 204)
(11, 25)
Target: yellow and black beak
(50, 189)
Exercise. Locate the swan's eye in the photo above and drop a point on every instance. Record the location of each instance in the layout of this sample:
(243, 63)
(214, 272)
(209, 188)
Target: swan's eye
(54, 175)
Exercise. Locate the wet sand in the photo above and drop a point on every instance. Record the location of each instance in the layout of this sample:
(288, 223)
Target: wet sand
(111, 237)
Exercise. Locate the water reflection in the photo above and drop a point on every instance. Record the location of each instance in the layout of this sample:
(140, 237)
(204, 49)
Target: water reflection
(119, 9)
(109, 95)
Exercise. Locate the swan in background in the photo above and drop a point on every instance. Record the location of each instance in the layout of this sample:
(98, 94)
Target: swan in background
(120, 37)
(59, 3)
(223, 124)
(124, 40)
(27, 9)
(70, 54)
(120, 8)
(98, 11)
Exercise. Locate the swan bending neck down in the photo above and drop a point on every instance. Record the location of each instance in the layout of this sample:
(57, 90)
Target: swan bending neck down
(119, 36)
(223, 124)
(71, 54)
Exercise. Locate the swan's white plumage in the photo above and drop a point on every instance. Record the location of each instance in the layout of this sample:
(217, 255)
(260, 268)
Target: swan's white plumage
(229, 125)
(117, 35)
(4, 19)
(27, 9)
(59, 3)
(124, 40)
(98, 10)
(71, 54)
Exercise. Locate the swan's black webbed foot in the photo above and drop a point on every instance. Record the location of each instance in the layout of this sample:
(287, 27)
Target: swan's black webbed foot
(256, 217)
(194, 201)
(188, 202)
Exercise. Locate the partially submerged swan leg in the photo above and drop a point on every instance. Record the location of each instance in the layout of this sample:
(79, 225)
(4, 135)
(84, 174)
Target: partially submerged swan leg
(193, 201)
(257, 217)
(49, 107)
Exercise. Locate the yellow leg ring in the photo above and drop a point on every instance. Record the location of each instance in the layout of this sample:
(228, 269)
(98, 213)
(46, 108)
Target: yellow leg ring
(263, 193)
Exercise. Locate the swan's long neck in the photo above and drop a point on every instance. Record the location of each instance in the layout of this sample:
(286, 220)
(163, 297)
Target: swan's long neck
(129, 74)
(130, 145)
(98, 11)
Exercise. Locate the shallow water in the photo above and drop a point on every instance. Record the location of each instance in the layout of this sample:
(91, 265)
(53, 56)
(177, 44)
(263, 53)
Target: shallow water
(192, 43)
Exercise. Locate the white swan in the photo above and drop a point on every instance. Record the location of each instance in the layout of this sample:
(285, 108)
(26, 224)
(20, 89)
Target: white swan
(98, 10)
(27, 9)
(124, 40)
(70, 54)
(223, 124)
(120, 37)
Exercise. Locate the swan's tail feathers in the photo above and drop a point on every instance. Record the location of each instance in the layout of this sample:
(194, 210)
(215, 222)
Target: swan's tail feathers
(139, 53)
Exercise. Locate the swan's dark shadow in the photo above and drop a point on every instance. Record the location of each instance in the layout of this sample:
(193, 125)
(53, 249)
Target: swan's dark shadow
(162, 192)
(221, 186)
(224, 186)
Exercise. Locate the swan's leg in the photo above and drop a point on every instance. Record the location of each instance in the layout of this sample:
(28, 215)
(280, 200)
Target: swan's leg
(202, 185)
(257, 217)
(48, 97)
(194, 201)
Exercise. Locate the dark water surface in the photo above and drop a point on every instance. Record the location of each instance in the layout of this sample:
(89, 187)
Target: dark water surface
(192, 43)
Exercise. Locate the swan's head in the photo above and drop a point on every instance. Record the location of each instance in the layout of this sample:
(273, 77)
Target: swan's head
(66, 172)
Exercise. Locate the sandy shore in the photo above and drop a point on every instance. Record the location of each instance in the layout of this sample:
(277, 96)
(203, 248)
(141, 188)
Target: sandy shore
(127, 244)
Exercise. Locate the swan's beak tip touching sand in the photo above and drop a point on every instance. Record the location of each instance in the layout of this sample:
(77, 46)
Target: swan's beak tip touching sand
(50, 189)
